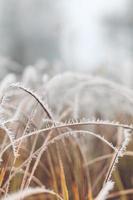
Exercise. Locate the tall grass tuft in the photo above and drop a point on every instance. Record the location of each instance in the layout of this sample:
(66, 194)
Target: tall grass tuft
(45, 153)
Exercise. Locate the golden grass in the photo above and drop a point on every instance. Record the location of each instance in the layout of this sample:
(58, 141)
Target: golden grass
(43, 157)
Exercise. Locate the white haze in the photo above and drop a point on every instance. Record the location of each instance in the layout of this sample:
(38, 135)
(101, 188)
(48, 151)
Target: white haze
(67, 30)
(83, 43)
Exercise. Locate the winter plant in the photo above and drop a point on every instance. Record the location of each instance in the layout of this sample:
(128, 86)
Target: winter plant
(63, 136)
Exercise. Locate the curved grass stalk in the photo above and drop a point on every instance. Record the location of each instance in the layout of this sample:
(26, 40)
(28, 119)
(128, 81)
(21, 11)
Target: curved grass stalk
(59, 137)
(44, 147)
(71, 125)
(77, 124)
(52, 128)
(35, 96)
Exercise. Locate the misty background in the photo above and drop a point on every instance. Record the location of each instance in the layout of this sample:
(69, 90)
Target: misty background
(81, 35)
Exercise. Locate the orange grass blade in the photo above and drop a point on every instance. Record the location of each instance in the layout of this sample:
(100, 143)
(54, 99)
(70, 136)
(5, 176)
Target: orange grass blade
(63, 181)
(75, 192)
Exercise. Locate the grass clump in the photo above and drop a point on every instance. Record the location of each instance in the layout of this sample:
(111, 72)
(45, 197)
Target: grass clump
(48, 151)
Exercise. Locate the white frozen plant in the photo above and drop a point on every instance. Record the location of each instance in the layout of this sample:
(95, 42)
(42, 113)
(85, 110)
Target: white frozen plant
(30, 77)
(67, 87)
(69, 95)
(105, 191)
(30, 192)
(9, 79)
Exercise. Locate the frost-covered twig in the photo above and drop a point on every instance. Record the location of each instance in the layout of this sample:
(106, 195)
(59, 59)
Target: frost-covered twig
(105, 191)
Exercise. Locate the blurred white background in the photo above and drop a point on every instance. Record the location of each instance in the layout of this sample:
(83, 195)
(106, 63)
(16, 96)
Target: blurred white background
(87, 35)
